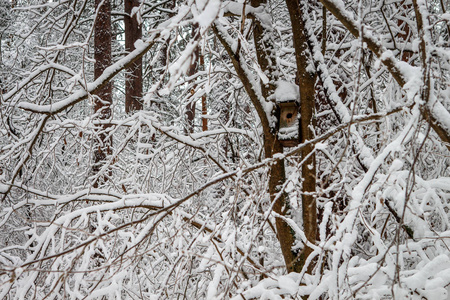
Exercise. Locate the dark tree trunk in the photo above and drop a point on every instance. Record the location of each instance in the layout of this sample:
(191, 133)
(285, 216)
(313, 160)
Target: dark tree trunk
(103, 98)
(405, 32)
(267, 61)
(265, 52)
(204, 107)
(133, 78)
(306, 81)
(190, 107)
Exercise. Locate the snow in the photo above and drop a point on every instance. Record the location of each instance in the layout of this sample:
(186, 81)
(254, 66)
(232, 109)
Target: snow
(236, 8)
(189, 214)
(285, 282)
(394, 146)
(79, 95)
(286, 91)
(290, 132)
(396, 165)
(209, 12)
(213, 286)
(267, 106)
(343, 113)
(18, 272)
(440, 113)
(321, 146)
(413, 77)
(262, 76)
(3, 188)
(435, 267)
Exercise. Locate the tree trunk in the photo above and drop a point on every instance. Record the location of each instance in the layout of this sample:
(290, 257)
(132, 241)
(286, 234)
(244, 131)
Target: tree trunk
(267, 60)
(204, 107)
(133, 78)
(103, 98)
(190, 107)
(306, 81)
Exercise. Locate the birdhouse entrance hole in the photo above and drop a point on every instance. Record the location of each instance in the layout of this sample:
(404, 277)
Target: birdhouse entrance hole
(288, 130)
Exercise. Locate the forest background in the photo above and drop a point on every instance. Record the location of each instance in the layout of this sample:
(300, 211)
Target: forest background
(143, 152)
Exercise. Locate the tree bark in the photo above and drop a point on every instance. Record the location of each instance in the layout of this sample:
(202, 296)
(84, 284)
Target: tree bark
(190, 107)
(266, 60)
(103, 97)
(133, 78)
(265, 52)
(306, 79)
(204, 107)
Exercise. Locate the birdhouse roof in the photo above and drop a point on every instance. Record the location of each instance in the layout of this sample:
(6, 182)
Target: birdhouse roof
(286, 92)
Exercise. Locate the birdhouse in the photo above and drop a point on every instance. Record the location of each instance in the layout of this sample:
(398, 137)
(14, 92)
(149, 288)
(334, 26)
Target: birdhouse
(288, 125)
(287, 98)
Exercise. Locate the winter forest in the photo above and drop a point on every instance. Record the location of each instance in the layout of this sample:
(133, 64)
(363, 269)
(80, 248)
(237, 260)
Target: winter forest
(211, 149)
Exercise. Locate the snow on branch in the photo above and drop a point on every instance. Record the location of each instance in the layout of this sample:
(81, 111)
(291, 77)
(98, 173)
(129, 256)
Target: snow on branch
(407, 76)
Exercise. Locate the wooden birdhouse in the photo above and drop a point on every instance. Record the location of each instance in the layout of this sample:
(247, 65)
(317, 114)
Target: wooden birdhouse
(287, 98)
(288, 125)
